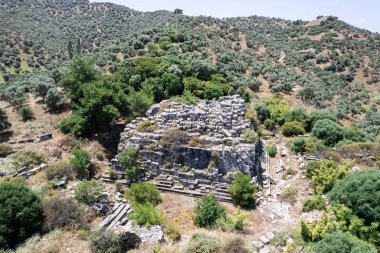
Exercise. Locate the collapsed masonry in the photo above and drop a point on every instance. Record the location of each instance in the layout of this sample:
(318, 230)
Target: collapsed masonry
(193, 149)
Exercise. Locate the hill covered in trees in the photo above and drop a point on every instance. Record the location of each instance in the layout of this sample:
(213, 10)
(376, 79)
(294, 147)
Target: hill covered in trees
(324, 62)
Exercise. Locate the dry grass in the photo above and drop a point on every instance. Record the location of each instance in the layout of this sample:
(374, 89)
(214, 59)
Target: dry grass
(57, 241)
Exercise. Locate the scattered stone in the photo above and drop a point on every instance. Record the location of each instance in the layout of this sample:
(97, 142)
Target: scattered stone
(264, 239)
(269, 235)
(258, 245)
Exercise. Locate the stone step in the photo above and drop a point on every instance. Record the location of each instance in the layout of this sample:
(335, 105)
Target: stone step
(121, 215)
(163, 186)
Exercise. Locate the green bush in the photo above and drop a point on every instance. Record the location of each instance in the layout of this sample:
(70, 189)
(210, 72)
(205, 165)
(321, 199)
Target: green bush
(74, 124)
(4, 123)
(146, 214)
(21, 214)
(26, 113)
(208, 211)
(250, 136)
(142, 193)
(81, 161)
(317, 203)
(360, 191)
(28, 158)
(339, 242)
(272, 151)
(293, 128)
(5, 149)
(59, 169)
(324, 174)
(88, 192)
(200, 242)
(243, 191)
(298, 145)
(318, 115)
(106, 241)
(328, 131)
(128, 158)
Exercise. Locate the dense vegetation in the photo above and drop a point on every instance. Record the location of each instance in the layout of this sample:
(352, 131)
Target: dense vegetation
(21, 214)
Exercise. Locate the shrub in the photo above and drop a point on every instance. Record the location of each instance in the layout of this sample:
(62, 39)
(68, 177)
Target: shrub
(4, 123)
(339, 242)
(270, 124)
(26, 113)
(55, 100)
(28, 158)
(289, 195)
(272, 151)
(5, 149)
(261, 112)
(106, 241)
(250, 136)
(75, 124)
(293, 128)
(21, 214)
(128, 158)
(146, 214)
(298, 145)
(324, 174)
(328, 131)
(146, 126)
(243, 191)
(296, 114)
(171, 231)
(88, 192)
(360, 191)
(200, 242)
(59, 169)
(81, 161)
(235, 245)
(142, 193)
(208, 211)
(59, 211)
(317, 203)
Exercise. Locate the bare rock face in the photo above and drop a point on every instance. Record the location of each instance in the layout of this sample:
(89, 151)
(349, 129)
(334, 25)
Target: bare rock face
(194, 142)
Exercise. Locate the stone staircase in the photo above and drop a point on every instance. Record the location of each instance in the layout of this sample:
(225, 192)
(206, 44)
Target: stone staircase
(165, 183)
(117, 217)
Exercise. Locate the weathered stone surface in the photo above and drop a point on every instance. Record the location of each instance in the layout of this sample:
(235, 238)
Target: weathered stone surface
(199, 158)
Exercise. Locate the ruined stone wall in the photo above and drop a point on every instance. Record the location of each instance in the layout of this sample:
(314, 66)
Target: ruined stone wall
(218, 125)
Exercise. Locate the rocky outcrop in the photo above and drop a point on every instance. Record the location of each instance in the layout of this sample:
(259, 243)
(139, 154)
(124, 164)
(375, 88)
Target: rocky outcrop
(201, 147)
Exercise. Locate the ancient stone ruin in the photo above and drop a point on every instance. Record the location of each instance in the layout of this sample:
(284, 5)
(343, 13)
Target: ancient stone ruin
(193, 149)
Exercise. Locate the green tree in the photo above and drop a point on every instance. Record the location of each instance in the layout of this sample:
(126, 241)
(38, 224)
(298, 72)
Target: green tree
(55, 100)
(128, 158)
(178, 11)
(81, 161)
(340, 242)
(21, 214)
(243, 191)
(328, 131)
(88, 192)
(360, 191)
(81, 71)
(4, 123)
(142, 193)
(318, 115)
(208, 211)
